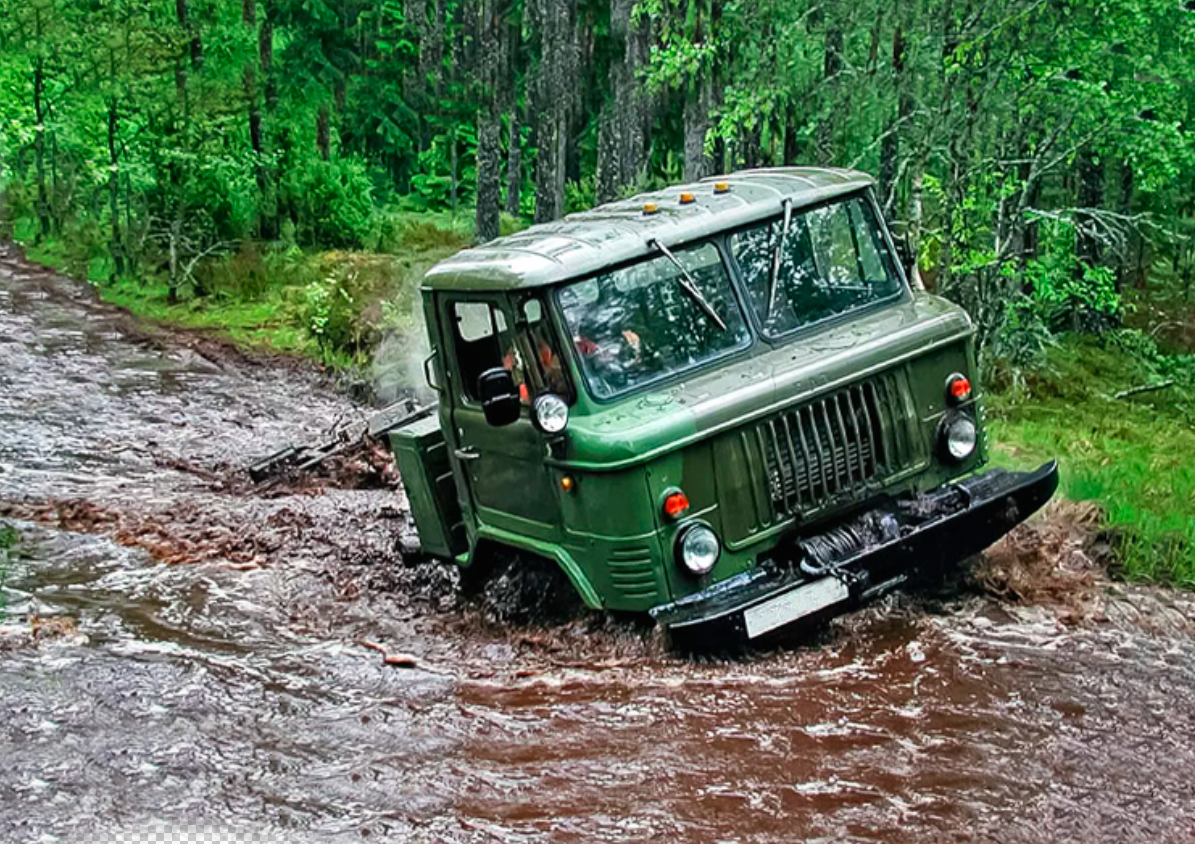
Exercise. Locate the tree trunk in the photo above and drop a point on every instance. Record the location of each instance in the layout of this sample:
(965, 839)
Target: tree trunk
(432, 55)
(323, 132)
(514, 142)
(1088, 247)
(195, 45)
(115, 245)
(39, 149)
(792, 140)
(253, 106)
(175, 201)
(555, 85)
(491, 26)
(751, 140)
(266, 175)
(489, 172)
(621, 147)
(697, 123)
(1129, 272)
(890, 147)
(831, 69)
(514, 166)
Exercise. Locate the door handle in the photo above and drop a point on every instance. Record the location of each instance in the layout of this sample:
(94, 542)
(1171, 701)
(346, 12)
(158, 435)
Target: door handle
(466, 455)
(427, 371)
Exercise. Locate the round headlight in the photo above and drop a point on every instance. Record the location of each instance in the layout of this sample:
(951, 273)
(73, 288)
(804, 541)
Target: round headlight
(960, 437)
(699, 549)
(551, 413)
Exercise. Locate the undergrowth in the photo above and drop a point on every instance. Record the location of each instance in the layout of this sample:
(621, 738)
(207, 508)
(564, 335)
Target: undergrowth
(335, 306)
(1133, 455)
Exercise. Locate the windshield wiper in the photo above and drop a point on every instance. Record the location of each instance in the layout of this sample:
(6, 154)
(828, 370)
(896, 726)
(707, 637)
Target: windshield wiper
(778, 257)
(689, 285)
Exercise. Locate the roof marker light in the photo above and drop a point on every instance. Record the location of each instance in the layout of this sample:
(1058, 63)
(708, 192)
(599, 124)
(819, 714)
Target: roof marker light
(721, 187)
(687, 198)
(650, 208)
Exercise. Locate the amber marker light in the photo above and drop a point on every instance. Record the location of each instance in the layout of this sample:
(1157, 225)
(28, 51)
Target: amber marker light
(650, 208)
(958, 388)
(721, 187)
(567, 484)
(676, 504)
(687, 199)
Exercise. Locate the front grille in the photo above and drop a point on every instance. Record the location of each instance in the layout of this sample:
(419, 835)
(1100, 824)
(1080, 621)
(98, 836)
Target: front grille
(836, 446)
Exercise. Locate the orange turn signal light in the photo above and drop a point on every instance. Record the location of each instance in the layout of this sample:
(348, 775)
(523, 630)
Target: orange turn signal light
(567, 484)
(958, 387)
(676, 504)
(687, 198)
(721, 187)
(650, 208)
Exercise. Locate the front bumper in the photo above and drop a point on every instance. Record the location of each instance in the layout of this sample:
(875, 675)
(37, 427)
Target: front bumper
(861, 558)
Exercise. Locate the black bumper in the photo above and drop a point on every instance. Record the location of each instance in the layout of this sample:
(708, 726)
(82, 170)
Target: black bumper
(860, 558)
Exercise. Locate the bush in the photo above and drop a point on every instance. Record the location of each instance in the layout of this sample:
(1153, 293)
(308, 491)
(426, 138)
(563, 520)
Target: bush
(399, 232)
(1134, 456)
(347, 307)
(253, 271)
(335, 200)
(1019, 344)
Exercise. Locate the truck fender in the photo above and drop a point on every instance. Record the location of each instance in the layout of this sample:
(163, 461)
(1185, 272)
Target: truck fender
(541, 549)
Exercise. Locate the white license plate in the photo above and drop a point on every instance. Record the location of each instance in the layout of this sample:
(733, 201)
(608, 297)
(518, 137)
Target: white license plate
(799, 603)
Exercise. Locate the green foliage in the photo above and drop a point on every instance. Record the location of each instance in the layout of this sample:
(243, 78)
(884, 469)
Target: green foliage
(1134, 456)
(335, 203)
(1019, 345)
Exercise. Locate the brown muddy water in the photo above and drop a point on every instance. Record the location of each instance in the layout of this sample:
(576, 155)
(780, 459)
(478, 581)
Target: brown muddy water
(178, 649)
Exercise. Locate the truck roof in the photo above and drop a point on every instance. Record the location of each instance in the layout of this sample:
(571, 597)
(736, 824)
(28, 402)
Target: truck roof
(584, 243)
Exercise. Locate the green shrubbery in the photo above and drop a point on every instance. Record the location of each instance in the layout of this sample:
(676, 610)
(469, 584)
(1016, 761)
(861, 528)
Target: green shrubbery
(1132, 453)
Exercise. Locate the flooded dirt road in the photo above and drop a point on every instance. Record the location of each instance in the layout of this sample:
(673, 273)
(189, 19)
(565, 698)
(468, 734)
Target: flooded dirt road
(176, 648)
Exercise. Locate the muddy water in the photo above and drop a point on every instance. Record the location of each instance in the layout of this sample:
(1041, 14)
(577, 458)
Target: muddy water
(246, 690)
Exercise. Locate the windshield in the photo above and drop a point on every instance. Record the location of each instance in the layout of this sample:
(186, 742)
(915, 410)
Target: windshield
(832, 260)
(642, 322)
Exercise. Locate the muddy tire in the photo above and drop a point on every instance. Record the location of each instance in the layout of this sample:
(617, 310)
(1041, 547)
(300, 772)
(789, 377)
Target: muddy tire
(520, 588)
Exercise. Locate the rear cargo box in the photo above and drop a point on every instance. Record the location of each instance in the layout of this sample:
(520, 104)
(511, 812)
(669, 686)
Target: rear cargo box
(422, 457)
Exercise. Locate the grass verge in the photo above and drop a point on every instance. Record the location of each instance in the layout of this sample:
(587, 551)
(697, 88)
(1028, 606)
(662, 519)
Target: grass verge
(1133, 455)
(334, 307)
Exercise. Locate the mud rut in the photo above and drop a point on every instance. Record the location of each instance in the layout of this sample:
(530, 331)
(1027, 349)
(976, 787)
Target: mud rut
(208, 655)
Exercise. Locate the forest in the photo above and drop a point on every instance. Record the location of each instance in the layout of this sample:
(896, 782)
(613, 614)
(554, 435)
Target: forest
(283, 170)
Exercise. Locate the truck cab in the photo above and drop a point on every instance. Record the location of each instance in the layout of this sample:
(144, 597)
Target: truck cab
(721, 403)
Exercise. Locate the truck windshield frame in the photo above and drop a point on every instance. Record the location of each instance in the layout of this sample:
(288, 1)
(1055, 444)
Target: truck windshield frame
(835, 261)
(635, 325)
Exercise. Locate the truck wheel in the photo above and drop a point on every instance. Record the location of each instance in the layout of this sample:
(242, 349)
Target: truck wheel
(523, 588)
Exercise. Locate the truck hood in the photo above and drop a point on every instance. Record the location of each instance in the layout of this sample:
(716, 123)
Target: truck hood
(643, 427)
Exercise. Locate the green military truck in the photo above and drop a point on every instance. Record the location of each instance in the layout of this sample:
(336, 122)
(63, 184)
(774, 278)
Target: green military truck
(722, 404)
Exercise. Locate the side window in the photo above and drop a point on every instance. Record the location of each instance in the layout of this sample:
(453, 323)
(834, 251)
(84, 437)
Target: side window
(545, 370)
(482, 341)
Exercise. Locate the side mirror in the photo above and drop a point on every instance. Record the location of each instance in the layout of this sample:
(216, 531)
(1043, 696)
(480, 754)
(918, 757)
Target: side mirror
(499, 397)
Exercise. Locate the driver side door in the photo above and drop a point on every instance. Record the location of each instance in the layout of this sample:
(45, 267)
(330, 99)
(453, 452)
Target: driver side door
(505, 480)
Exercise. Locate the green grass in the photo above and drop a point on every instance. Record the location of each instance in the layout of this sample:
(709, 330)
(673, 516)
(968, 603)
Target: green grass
(1134, 457)
(259, 296)
(269, 322)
